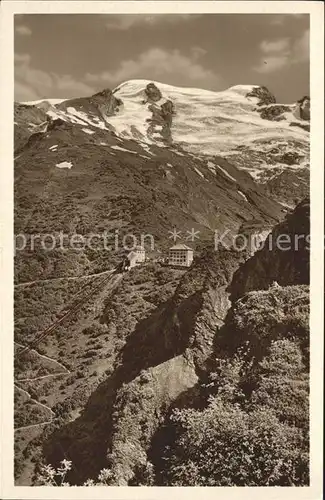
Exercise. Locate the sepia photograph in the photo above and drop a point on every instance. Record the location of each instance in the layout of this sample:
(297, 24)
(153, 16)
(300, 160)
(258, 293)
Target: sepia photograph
(161, 246)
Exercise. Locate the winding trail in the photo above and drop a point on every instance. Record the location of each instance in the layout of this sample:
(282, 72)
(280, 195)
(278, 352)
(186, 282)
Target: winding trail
(34, 400)
(42, 377)
(45, 357)
(48, 280)
(65, 372)
(43, 334)
(32, 425)
(39, 404)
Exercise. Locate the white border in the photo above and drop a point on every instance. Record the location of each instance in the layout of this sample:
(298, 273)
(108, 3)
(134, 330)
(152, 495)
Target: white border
(316, 10)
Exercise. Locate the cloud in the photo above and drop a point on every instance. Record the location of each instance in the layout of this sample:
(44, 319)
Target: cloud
(272, 63)
(154, 64)
(157, 63)
(300, 50)
(173, 66)
(23, 92)
(277, 54)
(279, 45)
(32, 83)
(197, 52)
(126, 21)
(21, 59)
(68, 83)
(23, 30)
(281, 19)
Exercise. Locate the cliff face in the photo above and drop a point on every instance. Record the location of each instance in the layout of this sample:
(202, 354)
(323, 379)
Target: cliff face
(27, 121)
(198, 307)
(251, 426)
(263, 95)
(302, 109)
(284, 257)
(247, 423)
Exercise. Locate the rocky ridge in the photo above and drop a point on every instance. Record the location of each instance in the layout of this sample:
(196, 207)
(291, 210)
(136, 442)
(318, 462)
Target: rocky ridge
(243, 124)
(78, 177)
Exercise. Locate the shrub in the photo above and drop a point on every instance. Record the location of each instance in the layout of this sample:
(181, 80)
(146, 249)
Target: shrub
(49, 476)
(225, 446)
(90, 354)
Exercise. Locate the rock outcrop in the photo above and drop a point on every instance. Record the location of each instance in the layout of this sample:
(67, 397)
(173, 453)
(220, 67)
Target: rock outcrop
(284, 257)
(107, 103)
(302, 110)
(162, 111)
(280, 186)
(263, 94)
(274, 112)
(102, 104)
(27, 120)
(152, 93)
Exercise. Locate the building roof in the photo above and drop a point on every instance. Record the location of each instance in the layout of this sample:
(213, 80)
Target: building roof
(132, 255)
(181, 246)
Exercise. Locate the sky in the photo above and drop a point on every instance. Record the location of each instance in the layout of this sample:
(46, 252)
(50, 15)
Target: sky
(73, 55)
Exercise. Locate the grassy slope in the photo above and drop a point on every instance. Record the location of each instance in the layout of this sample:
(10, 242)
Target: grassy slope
(87, 344)
(113, 190)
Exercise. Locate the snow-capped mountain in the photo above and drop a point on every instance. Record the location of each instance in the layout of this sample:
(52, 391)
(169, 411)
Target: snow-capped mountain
(150, 164)
(242, 123)
(112, 162)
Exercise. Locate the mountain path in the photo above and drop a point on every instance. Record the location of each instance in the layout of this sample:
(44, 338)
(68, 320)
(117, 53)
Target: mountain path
(39, 404)
(66, 371)
(27, 283)
(45, 357)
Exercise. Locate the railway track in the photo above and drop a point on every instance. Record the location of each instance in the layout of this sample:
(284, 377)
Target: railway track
(61, 278)
(72, 309)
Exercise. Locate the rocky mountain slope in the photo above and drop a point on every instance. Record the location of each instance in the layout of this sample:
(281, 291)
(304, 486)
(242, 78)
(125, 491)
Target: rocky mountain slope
(74, 174)
(166, 340)
(102, 387)
(177, 357)
(243, 124)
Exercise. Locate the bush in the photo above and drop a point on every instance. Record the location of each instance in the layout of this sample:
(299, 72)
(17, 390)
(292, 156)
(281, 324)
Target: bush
(225, 446)
(49, 476)
(90, 354)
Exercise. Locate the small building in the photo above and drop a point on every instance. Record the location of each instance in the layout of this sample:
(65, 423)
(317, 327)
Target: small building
(137, 256)
(141, 253)
(180, 255)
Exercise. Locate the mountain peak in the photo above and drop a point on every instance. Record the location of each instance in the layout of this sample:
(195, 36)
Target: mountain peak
(243, 121)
